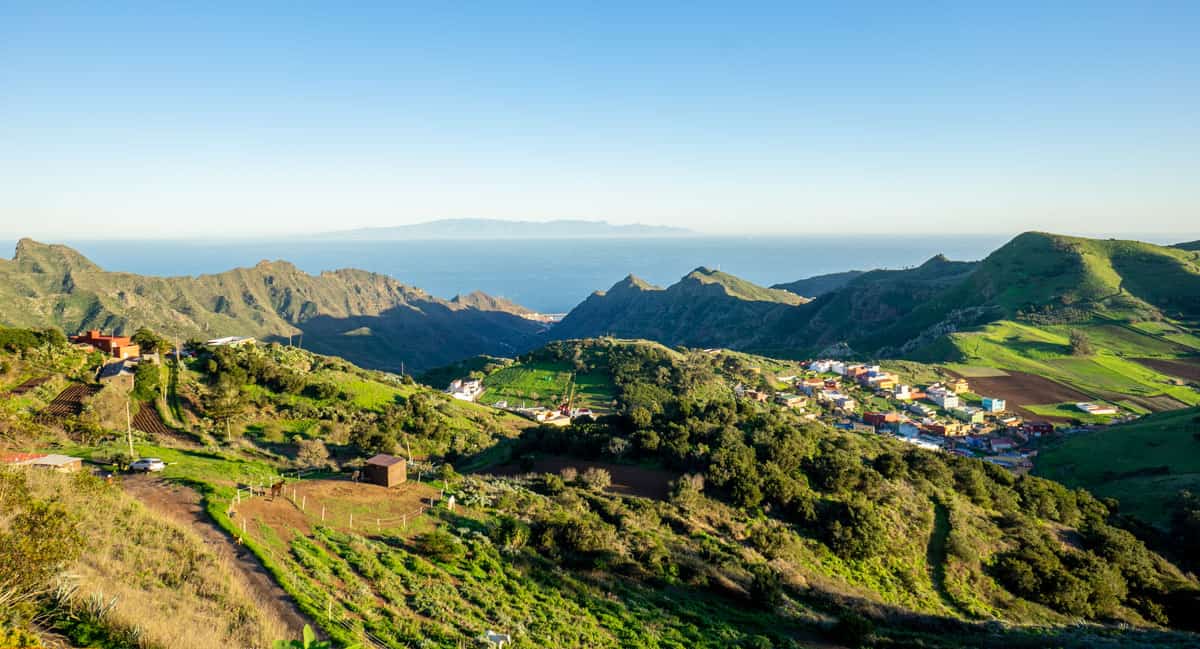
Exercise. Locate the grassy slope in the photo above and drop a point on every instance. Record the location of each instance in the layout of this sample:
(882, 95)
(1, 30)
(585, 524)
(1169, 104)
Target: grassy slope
(1045, 351)
(161, 578)
(1107, 462)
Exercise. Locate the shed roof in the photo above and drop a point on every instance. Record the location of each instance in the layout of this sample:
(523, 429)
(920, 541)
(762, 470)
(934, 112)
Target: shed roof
(384, 459)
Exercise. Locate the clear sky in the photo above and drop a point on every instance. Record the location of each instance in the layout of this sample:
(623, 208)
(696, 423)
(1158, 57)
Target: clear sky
(160, 120)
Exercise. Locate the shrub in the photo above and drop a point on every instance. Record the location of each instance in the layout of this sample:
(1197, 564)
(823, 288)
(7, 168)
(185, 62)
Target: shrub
(853, 629)
(766, 588)
(596, 479)
(440, 545)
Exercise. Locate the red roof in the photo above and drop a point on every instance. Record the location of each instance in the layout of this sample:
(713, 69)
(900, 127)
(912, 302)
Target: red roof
(12, 458)
(385, 460)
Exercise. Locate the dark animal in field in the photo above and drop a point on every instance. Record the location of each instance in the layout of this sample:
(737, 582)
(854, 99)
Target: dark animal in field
(276, 489)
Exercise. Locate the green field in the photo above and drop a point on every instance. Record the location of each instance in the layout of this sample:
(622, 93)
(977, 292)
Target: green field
(1069, 411)
(1106, 374)
(1126, 462)
(547, 384)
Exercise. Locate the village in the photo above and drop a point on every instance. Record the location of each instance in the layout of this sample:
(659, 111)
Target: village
(942, 416)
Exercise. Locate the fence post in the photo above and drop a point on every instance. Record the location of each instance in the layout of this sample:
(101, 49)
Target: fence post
(303, 502)
(322, 513)
(378, 525)
(403, 521)
(351, 520)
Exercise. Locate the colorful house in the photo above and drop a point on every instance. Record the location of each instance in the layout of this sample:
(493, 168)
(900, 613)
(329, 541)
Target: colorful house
(116, 346)
(993, 404)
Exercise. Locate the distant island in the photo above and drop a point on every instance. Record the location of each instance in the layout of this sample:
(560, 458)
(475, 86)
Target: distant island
(501, 229)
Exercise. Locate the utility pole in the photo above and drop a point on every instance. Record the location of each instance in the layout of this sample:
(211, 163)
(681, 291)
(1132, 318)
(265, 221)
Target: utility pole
(129, 430)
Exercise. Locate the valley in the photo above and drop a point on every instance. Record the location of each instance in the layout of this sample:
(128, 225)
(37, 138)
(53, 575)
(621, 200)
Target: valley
(880, 463)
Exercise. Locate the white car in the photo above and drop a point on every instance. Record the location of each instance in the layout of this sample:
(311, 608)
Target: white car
(148, 464)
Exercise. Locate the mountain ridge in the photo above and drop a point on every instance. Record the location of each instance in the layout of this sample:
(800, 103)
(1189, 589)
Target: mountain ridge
(329, 311)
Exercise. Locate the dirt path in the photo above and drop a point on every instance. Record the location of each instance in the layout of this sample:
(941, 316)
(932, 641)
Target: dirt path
(182, 504)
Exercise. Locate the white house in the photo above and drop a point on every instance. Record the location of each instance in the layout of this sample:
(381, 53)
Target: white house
(821, 366)
(942, 396)
(465, 389)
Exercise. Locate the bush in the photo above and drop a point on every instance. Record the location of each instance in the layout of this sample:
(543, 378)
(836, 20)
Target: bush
(440, 544)
(853, 629)
(767, 587)
(596, 479)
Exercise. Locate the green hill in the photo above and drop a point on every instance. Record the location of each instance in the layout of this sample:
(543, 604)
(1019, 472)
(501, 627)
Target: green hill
(705, 308)
(1143, 464)
(1014, 310)
(369, 318)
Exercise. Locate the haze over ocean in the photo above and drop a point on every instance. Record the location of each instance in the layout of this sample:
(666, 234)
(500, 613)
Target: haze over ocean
(545, 275)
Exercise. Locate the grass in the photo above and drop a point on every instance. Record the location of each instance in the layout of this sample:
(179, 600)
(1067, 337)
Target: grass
(547, 384)
(1046, 352)
(1127, 462)
(167, 587)
(1069, 410)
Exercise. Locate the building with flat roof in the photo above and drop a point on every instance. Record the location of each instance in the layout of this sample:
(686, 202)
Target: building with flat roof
(115, 346)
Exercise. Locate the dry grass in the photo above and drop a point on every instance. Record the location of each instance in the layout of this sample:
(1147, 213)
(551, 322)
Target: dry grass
(165, 580)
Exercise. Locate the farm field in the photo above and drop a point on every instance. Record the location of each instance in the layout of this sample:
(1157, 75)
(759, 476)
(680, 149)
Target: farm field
(28, 386)
(1022, 391)
(1184, 368)
(70, 401)
(547, 384)
(1143, 463)
(1067, 412)
(340, 504)
(1045, 352)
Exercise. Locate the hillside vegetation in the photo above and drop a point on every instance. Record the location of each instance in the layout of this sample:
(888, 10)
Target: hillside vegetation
(134, 579)
(369, 318)
(1015, 310)
(1144, 464)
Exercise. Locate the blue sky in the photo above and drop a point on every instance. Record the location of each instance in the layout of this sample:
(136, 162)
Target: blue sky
(726, 117)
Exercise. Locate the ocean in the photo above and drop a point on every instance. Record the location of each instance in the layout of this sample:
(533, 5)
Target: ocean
(550, 276)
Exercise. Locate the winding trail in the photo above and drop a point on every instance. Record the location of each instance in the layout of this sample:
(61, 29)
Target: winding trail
(183, 505)
(935, 553)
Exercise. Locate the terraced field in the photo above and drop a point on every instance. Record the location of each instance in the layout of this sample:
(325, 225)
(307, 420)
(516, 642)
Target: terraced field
(70, 401)
(28, 386)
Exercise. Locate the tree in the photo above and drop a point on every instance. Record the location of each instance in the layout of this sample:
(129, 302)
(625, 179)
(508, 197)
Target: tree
(1081, 344)
(149, 341)
(147, 380)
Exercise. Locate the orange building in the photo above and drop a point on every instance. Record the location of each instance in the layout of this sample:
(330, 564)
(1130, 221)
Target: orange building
(116, 346)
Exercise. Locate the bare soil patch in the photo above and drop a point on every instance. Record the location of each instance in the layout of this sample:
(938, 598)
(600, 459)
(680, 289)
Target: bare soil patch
(626, 479)
(148, 420)
(69, 402)
(1020, 388)
(1185, 368)
(366, 506)
(28, 386)
(183, 505)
